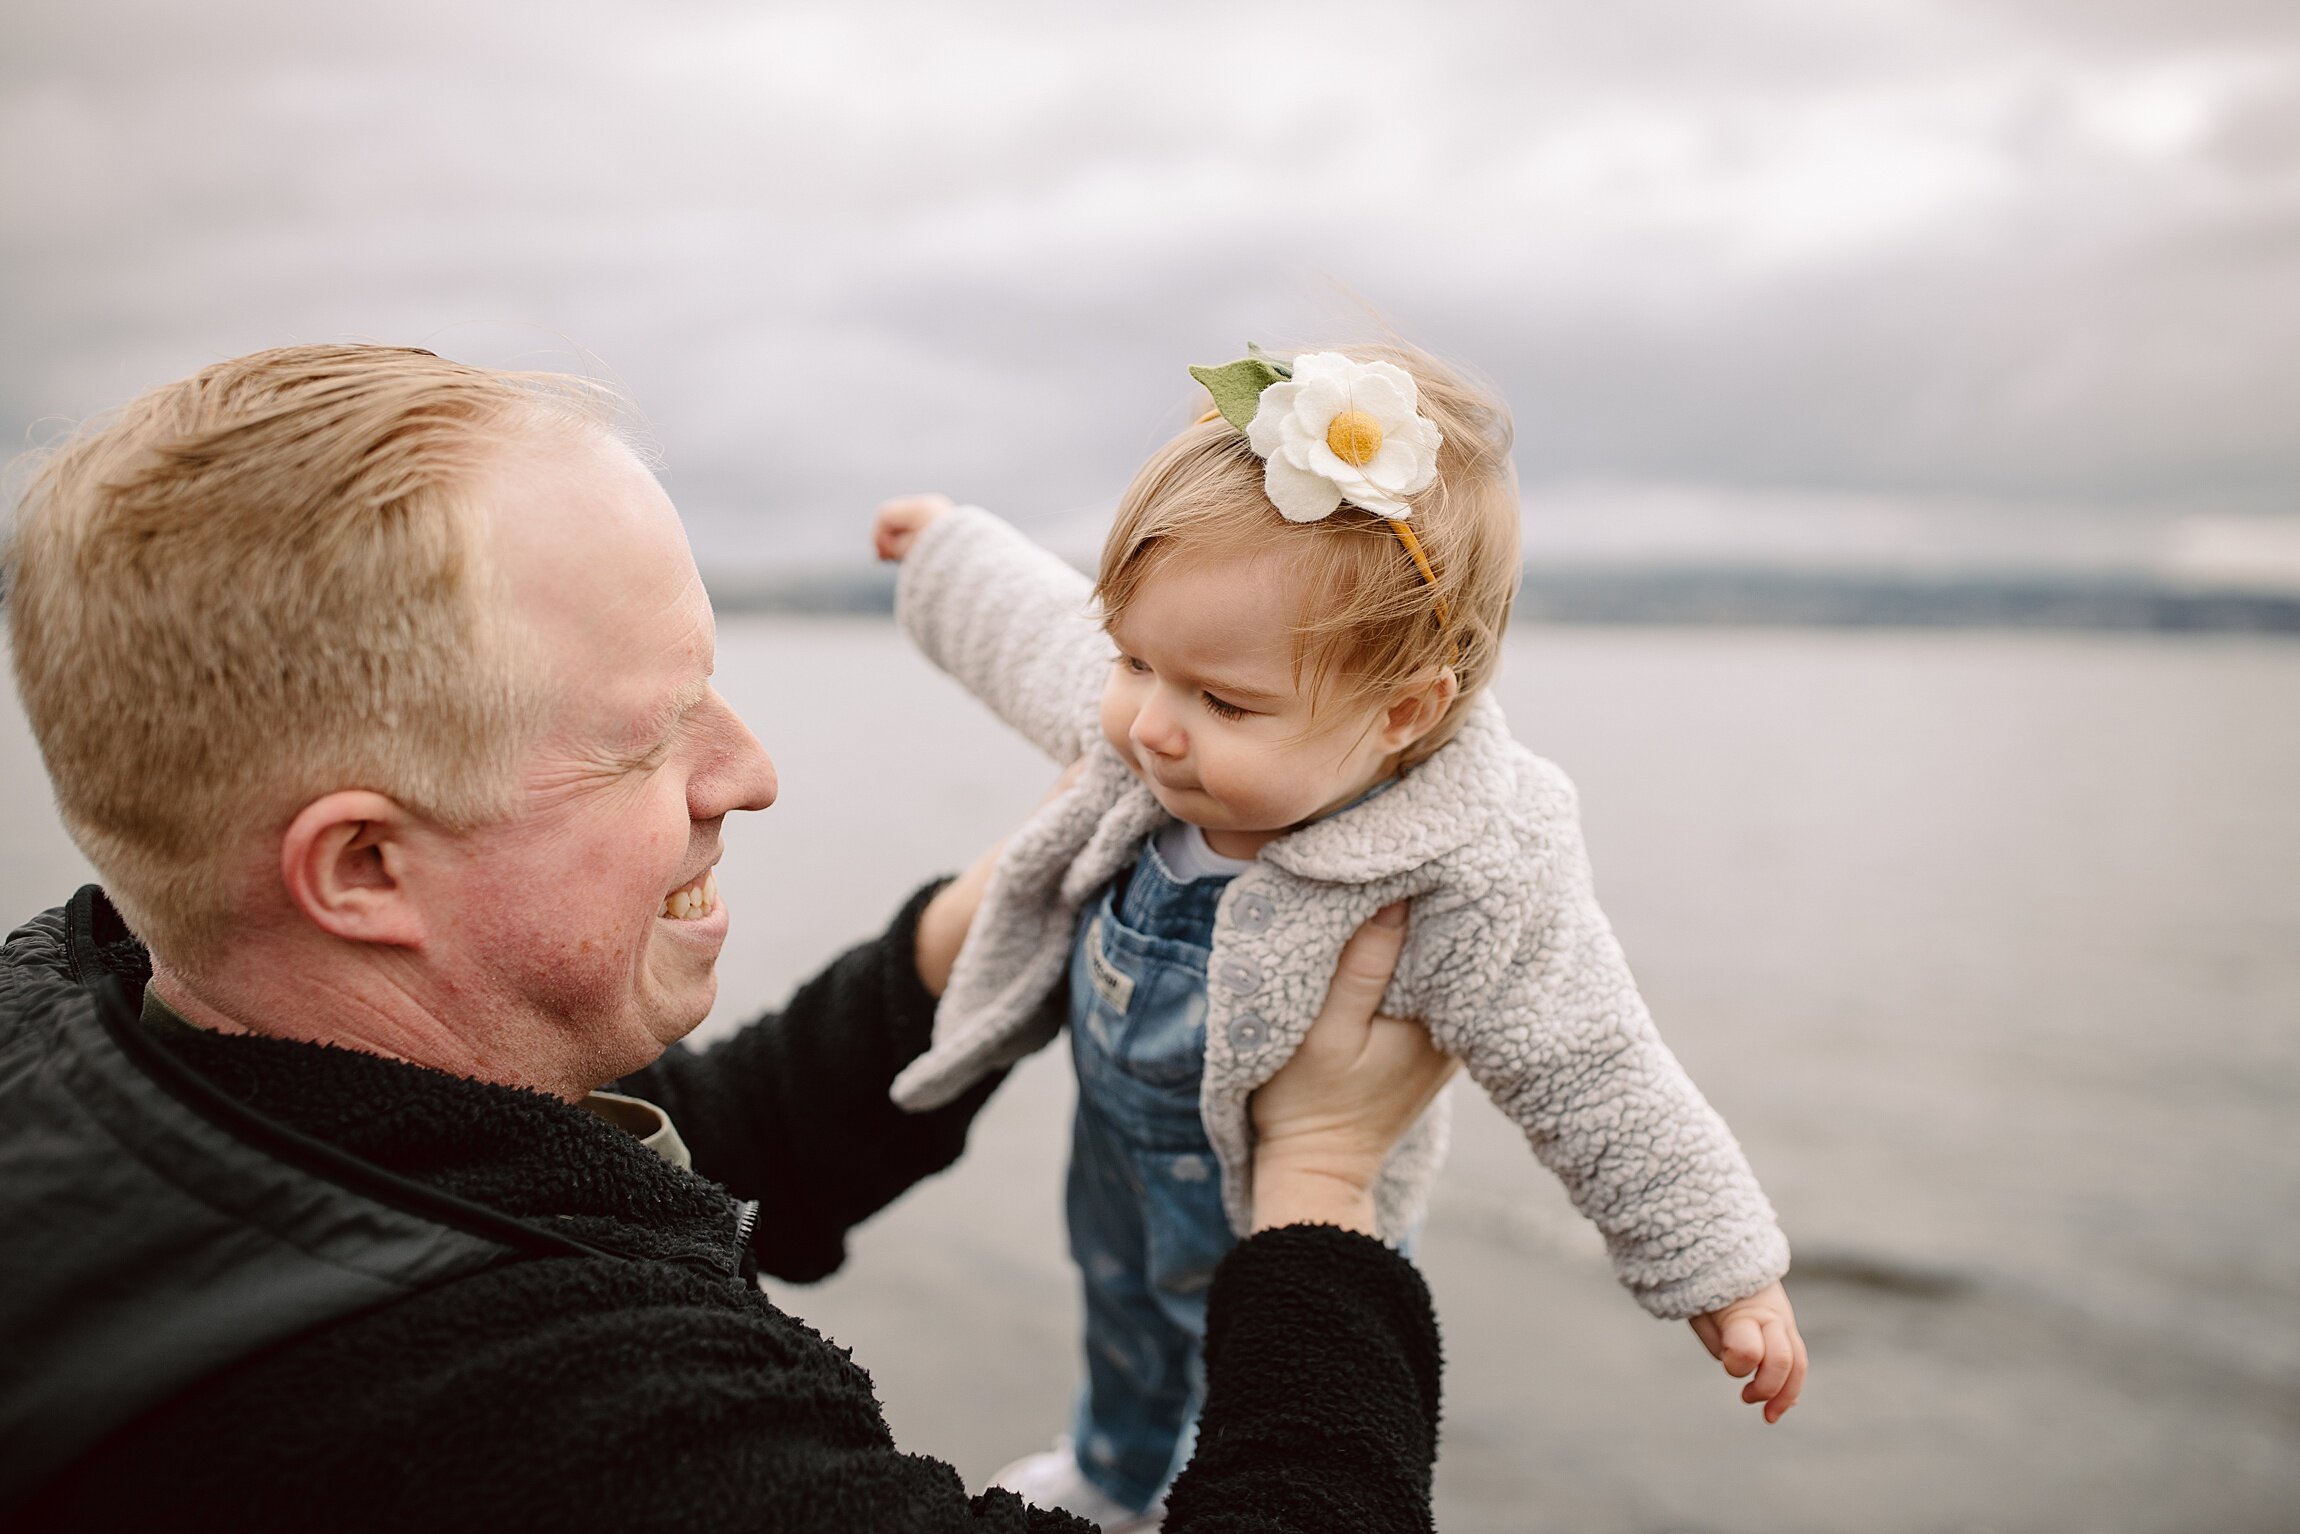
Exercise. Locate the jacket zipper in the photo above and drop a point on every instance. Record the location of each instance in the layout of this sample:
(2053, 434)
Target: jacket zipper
(746, 1217)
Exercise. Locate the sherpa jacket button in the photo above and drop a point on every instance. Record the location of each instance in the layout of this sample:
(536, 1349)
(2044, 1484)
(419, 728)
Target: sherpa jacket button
(1241, 974)
(1253, 915)
(1248, 1031)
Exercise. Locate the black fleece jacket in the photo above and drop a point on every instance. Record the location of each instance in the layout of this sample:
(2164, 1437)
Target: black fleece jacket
(651, 1387)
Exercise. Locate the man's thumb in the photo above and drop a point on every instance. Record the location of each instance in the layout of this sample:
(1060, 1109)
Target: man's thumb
(1371, 955)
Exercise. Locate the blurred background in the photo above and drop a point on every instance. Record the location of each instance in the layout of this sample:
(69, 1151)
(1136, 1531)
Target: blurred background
(1908, 396)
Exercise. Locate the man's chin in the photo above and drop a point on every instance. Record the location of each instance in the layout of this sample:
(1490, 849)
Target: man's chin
(681, 985)
(690, 1006)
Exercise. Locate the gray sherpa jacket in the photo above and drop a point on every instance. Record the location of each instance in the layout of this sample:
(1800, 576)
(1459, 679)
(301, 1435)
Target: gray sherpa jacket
(1508, 958)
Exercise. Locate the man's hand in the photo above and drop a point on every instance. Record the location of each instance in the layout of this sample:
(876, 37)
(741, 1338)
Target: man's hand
(1326, 1122)
(1759, 1335)
(901, 520)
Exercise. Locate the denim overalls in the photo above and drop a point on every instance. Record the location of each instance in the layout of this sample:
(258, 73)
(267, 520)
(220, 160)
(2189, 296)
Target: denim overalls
(1145, 1193)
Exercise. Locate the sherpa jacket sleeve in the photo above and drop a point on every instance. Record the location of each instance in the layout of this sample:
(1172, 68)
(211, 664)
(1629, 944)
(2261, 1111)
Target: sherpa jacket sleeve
(793, 1111)
(1562, 1043)
(1009, 622)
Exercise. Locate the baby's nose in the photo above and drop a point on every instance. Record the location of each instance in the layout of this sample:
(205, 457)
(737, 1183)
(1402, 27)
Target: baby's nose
(1157, 730)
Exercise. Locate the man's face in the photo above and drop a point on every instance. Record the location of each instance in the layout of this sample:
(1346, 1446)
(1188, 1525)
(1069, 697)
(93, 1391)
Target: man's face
(593, 910)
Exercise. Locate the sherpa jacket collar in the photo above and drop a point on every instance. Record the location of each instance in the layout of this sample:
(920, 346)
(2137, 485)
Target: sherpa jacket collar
(1434, 810)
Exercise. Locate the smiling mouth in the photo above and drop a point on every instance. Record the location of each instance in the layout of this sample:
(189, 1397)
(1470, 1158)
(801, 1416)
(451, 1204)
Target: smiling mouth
(696, 901)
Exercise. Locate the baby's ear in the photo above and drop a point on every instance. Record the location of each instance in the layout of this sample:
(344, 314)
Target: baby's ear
(1415, 709)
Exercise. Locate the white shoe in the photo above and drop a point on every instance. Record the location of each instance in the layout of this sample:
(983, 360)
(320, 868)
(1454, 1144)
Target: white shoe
(1052, 1478)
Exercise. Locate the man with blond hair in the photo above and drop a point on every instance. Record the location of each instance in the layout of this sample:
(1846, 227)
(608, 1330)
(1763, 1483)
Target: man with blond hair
(377, 688)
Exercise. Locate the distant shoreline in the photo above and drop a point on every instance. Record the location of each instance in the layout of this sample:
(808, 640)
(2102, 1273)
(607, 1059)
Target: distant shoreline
(1726, 597)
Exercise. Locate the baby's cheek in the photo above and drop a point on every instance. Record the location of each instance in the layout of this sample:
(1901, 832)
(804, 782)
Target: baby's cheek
(1277, 787)
(1251, 787)
(1117, 720)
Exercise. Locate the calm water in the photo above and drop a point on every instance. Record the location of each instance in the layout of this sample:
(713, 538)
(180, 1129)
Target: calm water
(1987, 945)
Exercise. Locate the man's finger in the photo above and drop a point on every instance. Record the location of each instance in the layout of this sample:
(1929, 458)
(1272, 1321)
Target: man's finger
(1371, 954)
(1361, 975)
(1339, 1032)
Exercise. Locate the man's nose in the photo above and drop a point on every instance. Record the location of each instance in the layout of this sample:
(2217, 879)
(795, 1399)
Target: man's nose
(741, 776)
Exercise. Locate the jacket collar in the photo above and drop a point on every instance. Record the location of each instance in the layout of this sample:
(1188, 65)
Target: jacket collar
(522, 1153)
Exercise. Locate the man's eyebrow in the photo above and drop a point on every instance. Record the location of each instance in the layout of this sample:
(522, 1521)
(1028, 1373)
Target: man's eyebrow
(677, 706)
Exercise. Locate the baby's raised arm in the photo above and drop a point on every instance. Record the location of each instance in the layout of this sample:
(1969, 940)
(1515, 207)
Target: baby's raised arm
(1006, 619)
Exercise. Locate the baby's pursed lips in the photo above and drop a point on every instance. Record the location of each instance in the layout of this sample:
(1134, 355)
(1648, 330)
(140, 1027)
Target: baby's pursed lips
(697, 900)
(1159, 778)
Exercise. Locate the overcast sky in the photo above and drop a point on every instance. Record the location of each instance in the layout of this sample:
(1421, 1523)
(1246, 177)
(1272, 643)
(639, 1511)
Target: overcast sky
(1877, 278)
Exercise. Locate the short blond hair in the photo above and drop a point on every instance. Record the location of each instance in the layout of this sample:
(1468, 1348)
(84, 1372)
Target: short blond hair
(264, 583)
(1371, 624)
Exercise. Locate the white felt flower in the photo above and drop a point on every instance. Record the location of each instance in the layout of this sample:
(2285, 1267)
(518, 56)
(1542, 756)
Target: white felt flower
(1340, 431)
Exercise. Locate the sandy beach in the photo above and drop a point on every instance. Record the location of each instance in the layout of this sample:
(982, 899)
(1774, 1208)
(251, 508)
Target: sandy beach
(1986, 944)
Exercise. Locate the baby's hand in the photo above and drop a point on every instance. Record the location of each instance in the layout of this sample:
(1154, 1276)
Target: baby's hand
(901, 520)
(1760, 1334)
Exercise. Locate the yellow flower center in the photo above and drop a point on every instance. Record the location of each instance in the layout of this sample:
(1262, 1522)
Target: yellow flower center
(1355, 437)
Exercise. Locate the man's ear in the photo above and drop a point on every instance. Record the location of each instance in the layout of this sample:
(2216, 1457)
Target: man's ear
(345, 861)
(1415, 709)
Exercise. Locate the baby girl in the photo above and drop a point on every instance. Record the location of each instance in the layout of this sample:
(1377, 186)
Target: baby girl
(1277, 683)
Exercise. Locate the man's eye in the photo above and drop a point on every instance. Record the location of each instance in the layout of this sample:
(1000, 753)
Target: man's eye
(657, 754)
(648, 761)
(1221, 710)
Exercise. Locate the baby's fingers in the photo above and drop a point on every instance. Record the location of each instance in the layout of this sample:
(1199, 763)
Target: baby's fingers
(1776, 1408)
(1780, 1357)
(1740, 1346)
(899, 522)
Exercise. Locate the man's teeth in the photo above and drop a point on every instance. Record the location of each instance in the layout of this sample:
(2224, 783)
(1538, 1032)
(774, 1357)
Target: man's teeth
(698, 899)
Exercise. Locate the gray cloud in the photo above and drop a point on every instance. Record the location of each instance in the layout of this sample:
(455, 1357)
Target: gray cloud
(2023, 253)
(2153, 25)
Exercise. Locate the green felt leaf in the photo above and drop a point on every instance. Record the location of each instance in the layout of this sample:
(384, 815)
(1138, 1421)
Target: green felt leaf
(1237, 386)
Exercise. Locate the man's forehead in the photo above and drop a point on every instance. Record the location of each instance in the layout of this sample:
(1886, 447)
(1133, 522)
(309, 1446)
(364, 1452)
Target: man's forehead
(577, 525)
(594, 572)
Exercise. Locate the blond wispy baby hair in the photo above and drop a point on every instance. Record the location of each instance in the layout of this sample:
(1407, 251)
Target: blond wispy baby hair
(264, 583)
(1372, 622)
